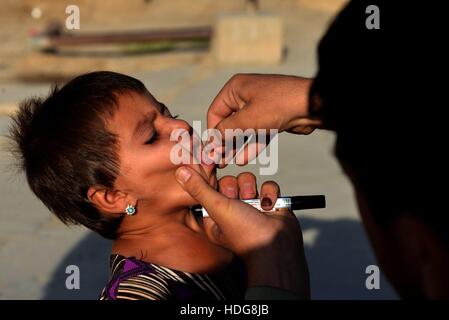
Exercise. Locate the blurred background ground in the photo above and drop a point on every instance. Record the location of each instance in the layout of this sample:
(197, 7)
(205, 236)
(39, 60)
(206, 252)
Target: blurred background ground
(35, 248)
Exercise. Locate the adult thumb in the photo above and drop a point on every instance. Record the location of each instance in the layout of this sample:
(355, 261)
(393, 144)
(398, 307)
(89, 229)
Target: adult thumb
(214, 202)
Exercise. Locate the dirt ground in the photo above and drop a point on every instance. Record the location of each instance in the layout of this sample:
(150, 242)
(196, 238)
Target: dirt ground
(20, 61)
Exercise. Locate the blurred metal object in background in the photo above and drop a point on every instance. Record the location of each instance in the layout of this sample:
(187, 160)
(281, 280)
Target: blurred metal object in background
(53, 38)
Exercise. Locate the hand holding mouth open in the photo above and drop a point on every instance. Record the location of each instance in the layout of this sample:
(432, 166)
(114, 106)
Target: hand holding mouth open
(260, 239)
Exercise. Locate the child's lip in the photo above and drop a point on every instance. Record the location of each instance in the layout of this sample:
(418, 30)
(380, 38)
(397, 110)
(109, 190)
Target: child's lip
(198, 153)
(206, 160)
(211, 164)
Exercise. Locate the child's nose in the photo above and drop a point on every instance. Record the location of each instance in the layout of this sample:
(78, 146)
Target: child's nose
(177, 124)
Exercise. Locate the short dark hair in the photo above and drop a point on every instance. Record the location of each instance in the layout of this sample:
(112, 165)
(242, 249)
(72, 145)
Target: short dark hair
(64, 147)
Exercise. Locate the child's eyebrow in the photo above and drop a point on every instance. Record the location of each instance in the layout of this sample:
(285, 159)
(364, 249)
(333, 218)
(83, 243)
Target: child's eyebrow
(163, 108)
(143, 124)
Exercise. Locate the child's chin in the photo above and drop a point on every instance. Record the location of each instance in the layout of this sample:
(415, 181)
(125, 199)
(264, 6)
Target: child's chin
(212, 176)
(209, 168)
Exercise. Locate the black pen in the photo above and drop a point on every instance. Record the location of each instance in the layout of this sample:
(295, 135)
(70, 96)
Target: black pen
(282, 203)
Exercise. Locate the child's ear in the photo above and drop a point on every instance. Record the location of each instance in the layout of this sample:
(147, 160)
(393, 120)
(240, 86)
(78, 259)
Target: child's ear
(107, 200)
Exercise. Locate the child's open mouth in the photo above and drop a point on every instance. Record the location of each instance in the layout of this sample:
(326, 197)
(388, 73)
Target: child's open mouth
(201, 154)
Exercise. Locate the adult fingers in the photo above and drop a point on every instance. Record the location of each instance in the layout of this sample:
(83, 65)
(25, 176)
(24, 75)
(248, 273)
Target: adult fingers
(247, 185)
(269, 192)
(229, 187)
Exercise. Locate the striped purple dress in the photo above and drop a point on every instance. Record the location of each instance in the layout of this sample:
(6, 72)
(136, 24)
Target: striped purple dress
(133, 279)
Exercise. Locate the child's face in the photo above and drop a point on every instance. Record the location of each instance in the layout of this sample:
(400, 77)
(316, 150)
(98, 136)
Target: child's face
(144, 126)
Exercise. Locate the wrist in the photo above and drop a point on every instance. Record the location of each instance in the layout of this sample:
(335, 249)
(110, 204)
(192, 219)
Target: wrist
(302, 120)
(272, 267)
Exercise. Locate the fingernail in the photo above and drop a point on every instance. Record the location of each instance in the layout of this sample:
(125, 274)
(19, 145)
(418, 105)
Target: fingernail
(247, 191)
(230, 192)
(266, 202)
(183, 174)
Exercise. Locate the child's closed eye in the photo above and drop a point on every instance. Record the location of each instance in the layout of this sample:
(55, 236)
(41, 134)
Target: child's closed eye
(153, 138)
(155, 135)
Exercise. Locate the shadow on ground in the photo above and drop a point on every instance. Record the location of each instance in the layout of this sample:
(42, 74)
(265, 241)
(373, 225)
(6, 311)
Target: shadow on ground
(337, 260)
(91, 255)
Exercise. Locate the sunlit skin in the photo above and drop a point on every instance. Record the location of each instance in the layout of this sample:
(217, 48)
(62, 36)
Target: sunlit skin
(163, 230)
(411, 253)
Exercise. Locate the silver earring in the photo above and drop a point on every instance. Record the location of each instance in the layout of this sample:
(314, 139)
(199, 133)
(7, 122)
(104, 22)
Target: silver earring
(130, 210)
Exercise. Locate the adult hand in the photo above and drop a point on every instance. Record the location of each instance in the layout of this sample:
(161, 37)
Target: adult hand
(261, 101)
(270, 244)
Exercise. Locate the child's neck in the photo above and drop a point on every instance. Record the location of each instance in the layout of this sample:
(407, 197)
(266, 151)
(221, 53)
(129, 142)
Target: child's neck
(170, 240)
(151, 224)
